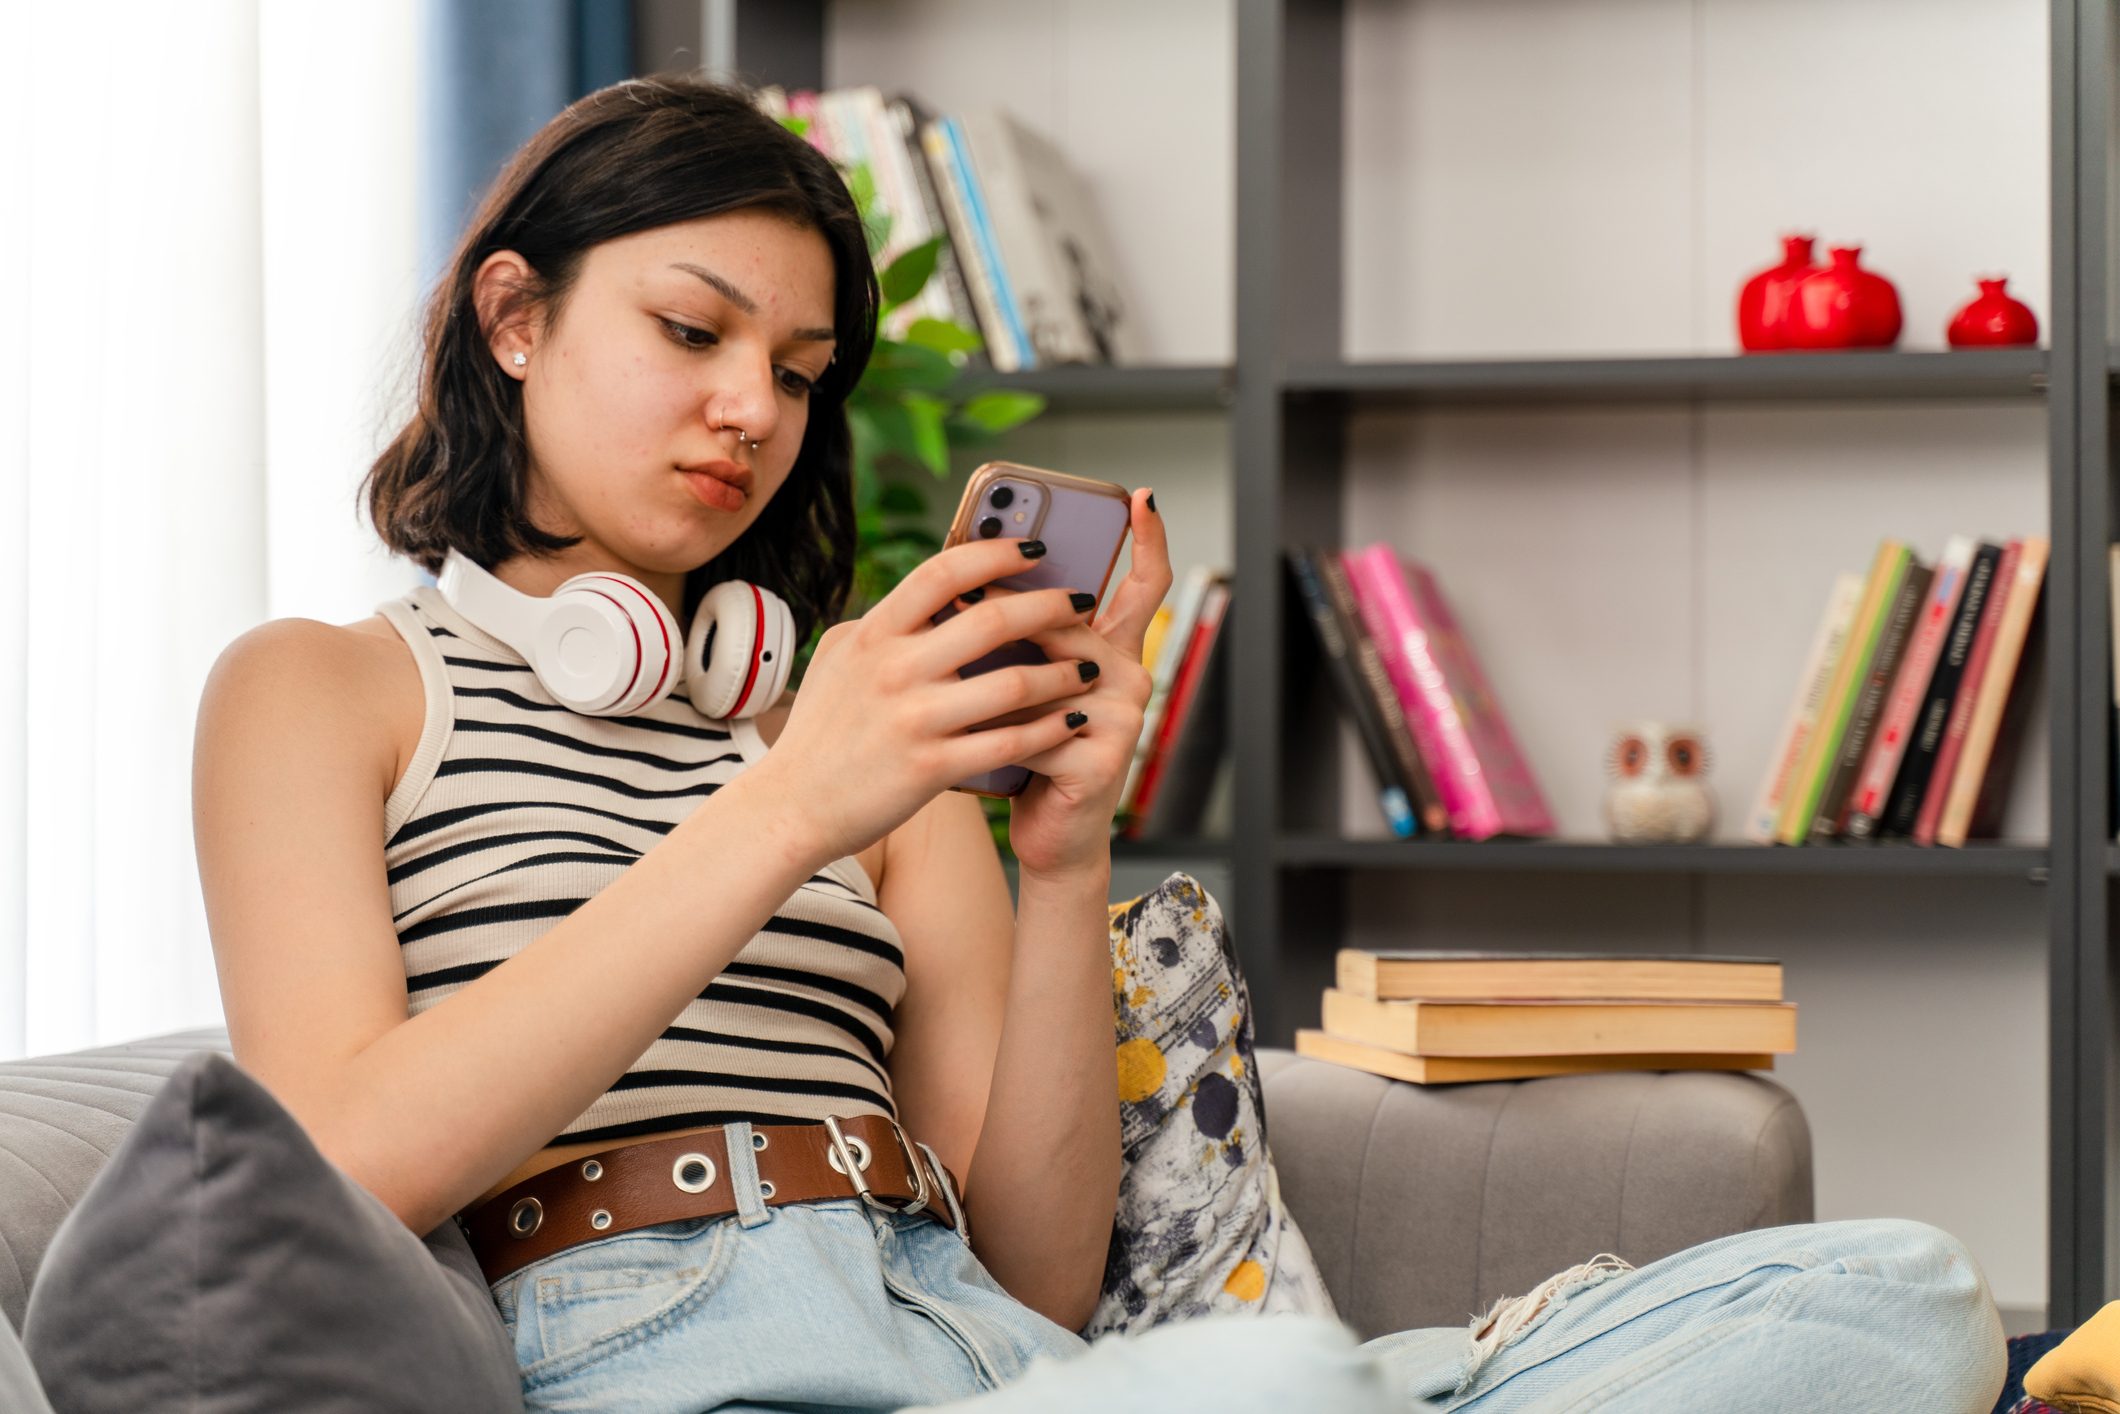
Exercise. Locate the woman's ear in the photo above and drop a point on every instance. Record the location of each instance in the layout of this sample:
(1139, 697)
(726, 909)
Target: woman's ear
(499, 292)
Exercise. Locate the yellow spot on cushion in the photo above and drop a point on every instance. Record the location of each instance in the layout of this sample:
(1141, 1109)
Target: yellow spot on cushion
(1247, 1282)
(1141, 994)
(1140, 1069)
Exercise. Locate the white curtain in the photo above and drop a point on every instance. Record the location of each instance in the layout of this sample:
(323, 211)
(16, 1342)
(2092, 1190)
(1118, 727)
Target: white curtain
(208, 290)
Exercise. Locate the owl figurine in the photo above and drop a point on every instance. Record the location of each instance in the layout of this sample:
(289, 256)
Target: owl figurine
(1659, 792)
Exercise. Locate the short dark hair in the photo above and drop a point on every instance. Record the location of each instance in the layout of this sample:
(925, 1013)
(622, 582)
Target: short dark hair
(637, 155)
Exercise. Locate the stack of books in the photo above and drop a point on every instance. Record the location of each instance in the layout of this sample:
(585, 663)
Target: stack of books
(1178, 782)
(1435, 1018)
(1446, 764)
(1026, 263)
(1913, 700)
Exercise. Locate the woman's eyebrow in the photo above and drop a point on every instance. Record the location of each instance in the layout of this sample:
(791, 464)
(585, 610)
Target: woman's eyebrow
(743, 301)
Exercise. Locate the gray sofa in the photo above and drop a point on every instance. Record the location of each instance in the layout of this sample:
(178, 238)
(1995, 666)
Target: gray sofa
(1423, 1204)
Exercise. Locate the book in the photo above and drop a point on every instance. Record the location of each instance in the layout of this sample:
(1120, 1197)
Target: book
(1184, 605)
(1801, 807)
(1961, 718)
(1522, 808)
(1175, 799)
(1333, 634)
(1484, 797)
(1449, 1070)
(1560, 1028)
(1184, 689)
(1418, 776)
(1820, 661)
(1441, 975)
(1832, 816)
(974, 247)
(1925, 737)
(1895, 727)
(1998, 684)
(947, 295)
(1070, 295)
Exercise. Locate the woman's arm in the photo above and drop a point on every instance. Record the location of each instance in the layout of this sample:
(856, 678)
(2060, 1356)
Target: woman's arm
(1003, 1057)
(428, 1113)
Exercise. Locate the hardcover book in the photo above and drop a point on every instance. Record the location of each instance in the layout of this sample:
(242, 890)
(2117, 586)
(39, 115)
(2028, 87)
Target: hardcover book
(1832, 816)
(1449, 1070)
(1828, 641)
(1925, 737)
(1441, 975)
(1998, 685)
(1483, 780)
(1572, 1028)
(1896, 726)
(1961, 718)
(1801, 808)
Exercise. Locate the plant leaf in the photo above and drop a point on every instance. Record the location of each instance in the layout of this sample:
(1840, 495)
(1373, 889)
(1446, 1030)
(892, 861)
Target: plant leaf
(944, 337)
(927, 415)
(1001, 409)
(908, 274)
(900, 368)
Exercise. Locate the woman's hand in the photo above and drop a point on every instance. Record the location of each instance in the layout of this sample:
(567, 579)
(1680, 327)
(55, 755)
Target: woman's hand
(880, 725)
(1062, 820)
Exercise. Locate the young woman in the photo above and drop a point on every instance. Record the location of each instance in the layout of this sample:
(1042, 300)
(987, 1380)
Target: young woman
(718, 1034)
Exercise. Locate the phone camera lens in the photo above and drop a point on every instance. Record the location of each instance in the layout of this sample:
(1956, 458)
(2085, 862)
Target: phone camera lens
(1001, 497)
(989, 527)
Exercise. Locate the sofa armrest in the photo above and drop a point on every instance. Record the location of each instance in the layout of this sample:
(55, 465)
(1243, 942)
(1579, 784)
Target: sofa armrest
(1425, 1204)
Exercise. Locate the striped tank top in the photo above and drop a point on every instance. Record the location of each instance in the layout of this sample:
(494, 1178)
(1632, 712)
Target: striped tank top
(516, 810)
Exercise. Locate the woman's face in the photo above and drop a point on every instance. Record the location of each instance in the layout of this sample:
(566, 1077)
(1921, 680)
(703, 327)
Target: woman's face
(670, 342)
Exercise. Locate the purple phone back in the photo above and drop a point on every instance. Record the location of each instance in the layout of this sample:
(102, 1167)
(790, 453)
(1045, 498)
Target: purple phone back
(1081, 531)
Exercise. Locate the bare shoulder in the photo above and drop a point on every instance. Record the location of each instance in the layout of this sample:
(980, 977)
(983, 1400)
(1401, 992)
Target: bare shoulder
(365, 670)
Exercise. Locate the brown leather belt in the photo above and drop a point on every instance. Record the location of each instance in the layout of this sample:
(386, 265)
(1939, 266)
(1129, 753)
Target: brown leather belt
(687, 1176)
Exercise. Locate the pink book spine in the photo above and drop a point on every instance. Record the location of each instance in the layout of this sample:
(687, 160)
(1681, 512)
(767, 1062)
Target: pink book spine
(1519, 804)
(1968, 689)
(1909, 686)
(1418, 676)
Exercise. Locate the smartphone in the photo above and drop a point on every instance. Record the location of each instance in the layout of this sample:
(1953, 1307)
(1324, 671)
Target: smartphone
(1083, 523)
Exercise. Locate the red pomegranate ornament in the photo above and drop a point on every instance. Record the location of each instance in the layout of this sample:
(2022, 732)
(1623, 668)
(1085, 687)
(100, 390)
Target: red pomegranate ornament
(1763, 303)
(1843, 306)
(1993, 318)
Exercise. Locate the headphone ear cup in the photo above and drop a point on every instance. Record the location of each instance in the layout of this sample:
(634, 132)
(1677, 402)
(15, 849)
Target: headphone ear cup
(740, 651)
(607, 646)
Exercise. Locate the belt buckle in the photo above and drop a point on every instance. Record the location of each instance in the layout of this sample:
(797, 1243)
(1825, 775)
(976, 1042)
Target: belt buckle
(921, 1192)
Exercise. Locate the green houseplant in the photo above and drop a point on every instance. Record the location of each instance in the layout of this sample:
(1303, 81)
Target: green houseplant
(906, 415)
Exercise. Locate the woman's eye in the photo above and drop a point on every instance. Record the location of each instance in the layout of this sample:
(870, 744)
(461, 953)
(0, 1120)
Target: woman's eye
(683, 334)
(796, 384)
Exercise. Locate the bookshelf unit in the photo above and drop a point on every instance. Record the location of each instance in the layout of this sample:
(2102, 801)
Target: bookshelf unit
(1289, 398)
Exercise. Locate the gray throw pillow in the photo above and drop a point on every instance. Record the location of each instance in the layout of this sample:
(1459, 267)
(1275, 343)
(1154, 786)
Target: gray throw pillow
(220, 1264)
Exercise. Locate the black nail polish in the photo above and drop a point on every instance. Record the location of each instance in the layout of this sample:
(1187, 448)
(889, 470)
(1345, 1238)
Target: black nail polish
(1088, 668)
(973, 596)
(1076, 719)
(1083, 600)
(1031, 549)
(1151, 500)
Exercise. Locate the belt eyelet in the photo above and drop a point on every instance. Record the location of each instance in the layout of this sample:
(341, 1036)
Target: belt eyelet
(599, 1220)
(765, 1188)
(861, 1155)
(526, 1217)
(758, 1141)
(592, 1170)
(692, 1161)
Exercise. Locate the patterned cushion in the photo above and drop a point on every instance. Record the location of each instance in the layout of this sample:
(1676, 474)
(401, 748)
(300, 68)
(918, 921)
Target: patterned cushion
(1200, 1226)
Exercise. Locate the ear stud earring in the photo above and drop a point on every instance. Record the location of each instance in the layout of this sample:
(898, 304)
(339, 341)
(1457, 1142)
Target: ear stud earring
(521, 359)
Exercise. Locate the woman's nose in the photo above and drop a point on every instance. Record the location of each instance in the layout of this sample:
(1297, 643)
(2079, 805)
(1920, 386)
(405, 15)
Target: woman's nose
(742, 392)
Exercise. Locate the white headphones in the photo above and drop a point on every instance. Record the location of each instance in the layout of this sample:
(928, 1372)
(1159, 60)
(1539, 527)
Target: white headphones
(605, 645)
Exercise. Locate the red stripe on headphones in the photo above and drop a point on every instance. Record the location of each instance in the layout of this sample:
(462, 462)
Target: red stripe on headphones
(758, 643)
(663, 628)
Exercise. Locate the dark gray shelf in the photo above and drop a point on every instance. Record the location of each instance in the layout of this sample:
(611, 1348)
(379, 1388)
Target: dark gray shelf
(1967, 373)
(1177, 850)
(1103, 388)
(2028, 862)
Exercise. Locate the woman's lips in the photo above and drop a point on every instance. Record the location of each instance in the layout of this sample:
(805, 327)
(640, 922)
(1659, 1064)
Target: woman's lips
(719, 490)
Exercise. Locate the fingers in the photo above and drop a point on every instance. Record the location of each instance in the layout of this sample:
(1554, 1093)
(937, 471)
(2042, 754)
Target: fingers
(997, 616)
(1010, 694)
(944, 575)
(978, 752)
(1133, 604)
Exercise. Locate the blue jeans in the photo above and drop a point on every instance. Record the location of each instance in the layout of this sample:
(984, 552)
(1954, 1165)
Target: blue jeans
(1211, 1298)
